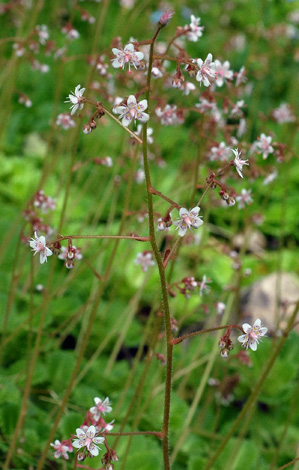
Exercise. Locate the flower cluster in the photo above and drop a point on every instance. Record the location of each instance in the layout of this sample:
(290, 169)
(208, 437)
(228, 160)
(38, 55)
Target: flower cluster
(38, 245)
(69, 255)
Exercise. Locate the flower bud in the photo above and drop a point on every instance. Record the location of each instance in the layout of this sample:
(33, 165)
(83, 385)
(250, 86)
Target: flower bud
(161, 224)
(224, 353)
(87, 129)
(166, 17)
(222, 344)
(230, 201)
(81, 456)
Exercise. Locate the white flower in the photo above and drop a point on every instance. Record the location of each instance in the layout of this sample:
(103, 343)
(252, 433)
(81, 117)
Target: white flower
(283, 114)
(237, 111)
(133, 110)
(38, 245)
(221, 152)
(264, 146)
(169, 115)
(195, 31)
(60, 450)
(244, 198)
(149, 133)
(89, 440)
(187, 220)
(43, 33)
(145, 259)
(76, 99)
(102, 407)
(223, 72)
(252, 335)
(238, 162)
(65, 121)
(206, 72)
(128, 55)
(187, 87)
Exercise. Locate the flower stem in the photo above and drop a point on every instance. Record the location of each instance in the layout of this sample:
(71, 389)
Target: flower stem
(208, 330)
(163, 284)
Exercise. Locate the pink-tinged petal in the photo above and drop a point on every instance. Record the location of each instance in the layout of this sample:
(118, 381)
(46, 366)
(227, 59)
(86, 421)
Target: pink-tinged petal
(143, 117)
(242, 338)
(42, 240)
(182, 230)
(77, 444)
(80, 433)
(126, 119)
(257, 323)
(116, 51)
(129, 48)
(98, 440)
(209, 57)
(91, 431)
(93, 450)
(253, 346)
(139, 55)
(199, 62)
(206, 81)
(142, 105)
(246, 327)
(120, 109)
(197, 222)
(195, 210)
(48, 251)
(263, 330)
(75, 107)
(117, 63)
(183, 212)
(93, 410)
(42, 257)
(131, 101)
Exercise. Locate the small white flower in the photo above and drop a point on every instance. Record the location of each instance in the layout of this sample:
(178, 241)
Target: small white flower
(169, 115)
(38, 245)
(76, 99)
(252, 334)
(128, 55)
(145, 259)
(283, 114)
(43, 33)
(238, 162)
(263, 145)
(244, 198)
(223, 72)
(187, 220)
(102, 407)
(206, 72)
(133, 110)
(220, 153)
(65, 121)
(89, 440)
(195, 30)
(60, 450)
(187, 87)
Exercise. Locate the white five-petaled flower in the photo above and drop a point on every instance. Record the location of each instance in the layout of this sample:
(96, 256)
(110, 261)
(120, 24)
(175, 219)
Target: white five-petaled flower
(187, 220)
(252, 334)
(145, 259)
(223, 72)
(133, 110)
(60, 450)
(244, 198)
(264, 146)
(89, 440)
(195, 30)
(128, 55)
(76, 99)
(238, 162)
(102, 407)
(38, 245)
(283, 114)
(206, 72)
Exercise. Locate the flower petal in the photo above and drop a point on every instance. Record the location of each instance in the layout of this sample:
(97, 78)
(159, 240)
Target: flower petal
(253, 346)
(131, 101)
(246, 327)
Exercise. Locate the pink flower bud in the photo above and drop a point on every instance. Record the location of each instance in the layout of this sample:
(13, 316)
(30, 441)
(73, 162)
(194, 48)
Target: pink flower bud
(166, 17)
(224, 353)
